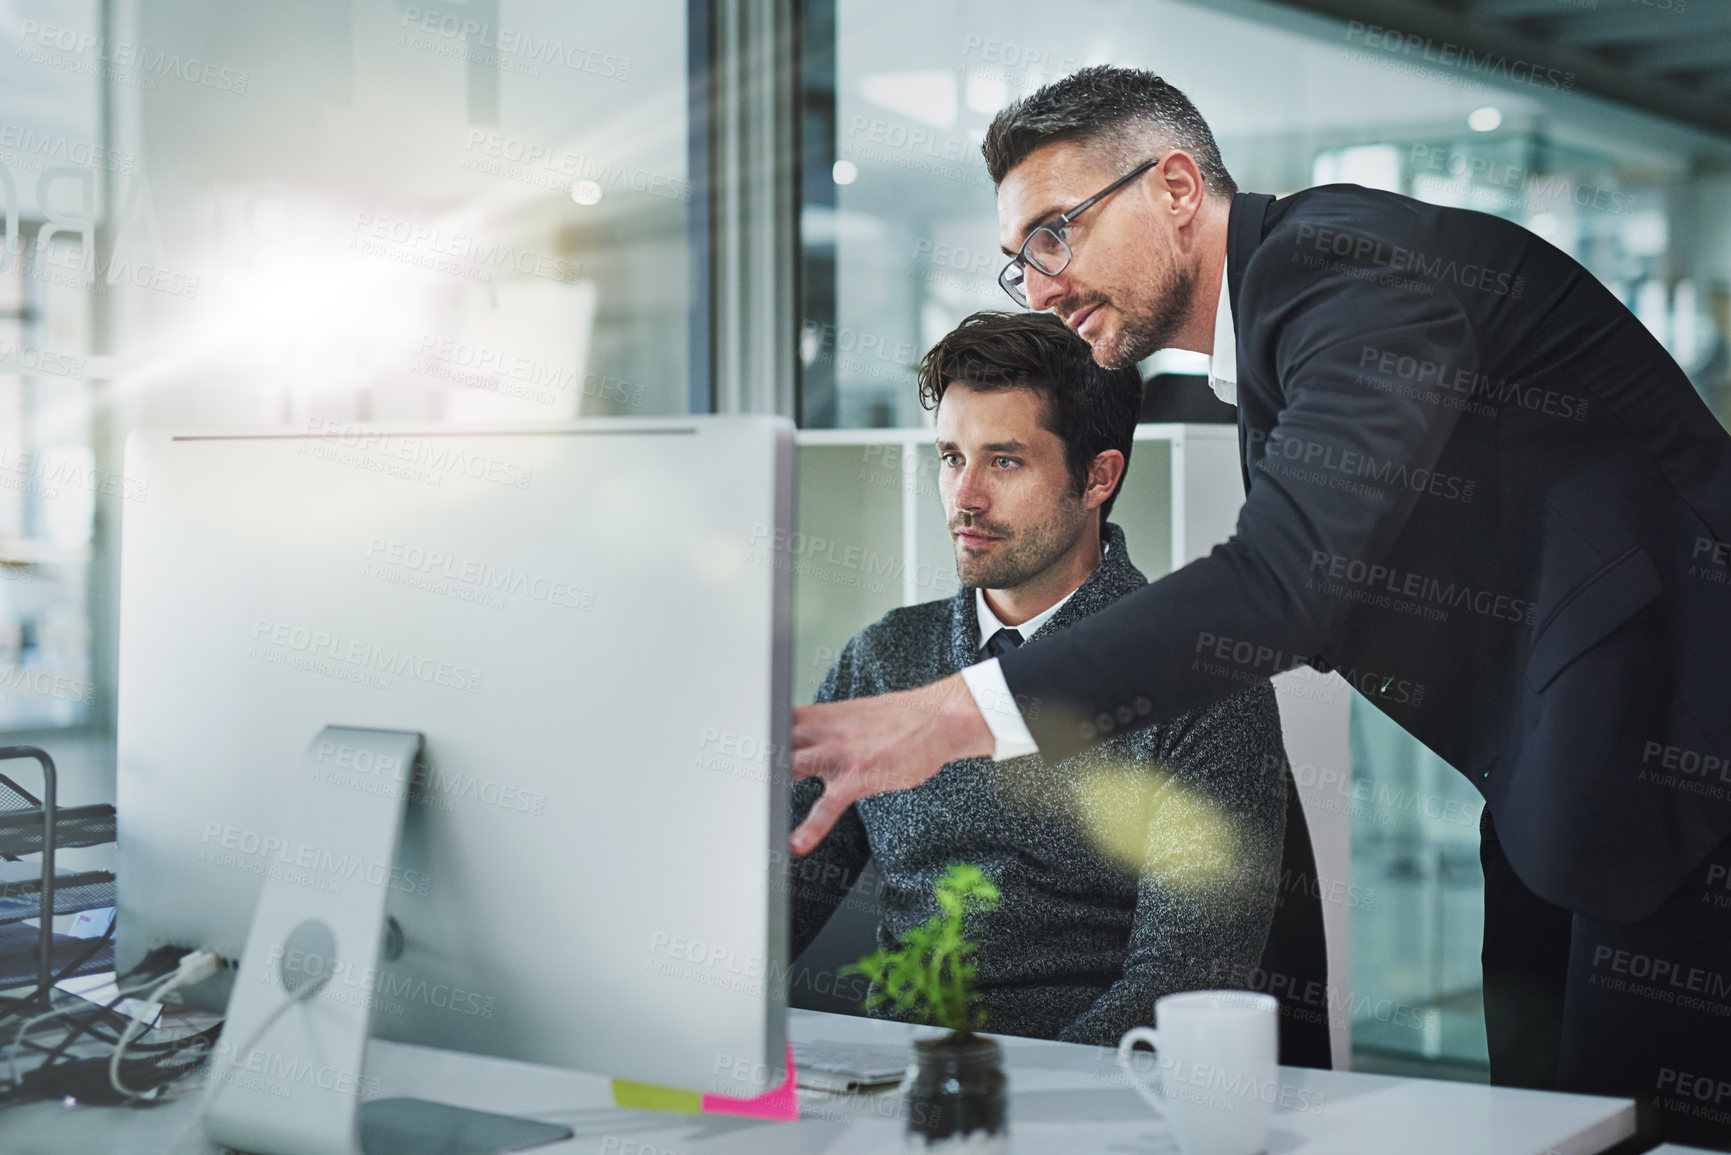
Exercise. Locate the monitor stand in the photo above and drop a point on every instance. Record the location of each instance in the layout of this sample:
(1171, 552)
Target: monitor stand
(316, 941)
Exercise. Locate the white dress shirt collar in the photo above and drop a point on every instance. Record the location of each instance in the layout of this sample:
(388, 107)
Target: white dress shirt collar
(990, 623)
(1223, 364)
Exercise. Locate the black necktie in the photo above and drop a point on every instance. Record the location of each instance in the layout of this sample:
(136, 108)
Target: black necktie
(1000, 644)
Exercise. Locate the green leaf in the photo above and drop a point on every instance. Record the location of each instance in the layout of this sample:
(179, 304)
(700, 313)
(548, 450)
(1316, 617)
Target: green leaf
(928, 977)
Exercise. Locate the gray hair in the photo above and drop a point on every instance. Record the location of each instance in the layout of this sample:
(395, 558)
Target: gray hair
(1124, 109)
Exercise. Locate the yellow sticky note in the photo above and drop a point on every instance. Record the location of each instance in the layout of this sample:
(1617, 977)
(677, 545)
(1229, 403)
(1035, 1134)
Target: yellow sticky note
(650, 1097)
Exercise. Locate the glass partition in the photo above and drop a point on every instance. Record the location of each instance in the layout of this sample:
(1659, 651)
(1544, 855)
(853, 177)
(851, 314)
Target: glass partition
(315, 214)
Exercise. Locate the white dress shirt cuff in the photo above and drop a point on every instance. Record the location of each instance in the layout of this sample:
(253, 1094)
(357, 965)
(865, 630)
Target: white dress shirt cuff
(992, 695)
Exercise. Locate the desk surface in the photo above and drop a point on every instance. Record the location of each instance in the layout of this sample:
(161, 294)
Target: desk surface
(1064, 1098)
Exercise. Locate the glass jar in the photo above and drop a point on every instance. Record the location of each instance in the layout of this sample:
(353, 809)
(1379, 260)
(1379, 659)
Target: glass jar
(955, 1095)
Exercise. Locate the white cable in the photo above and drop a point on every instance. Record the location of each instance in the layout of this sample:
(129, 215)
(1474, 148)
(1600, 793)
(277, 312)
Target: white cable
(126, 1037)
(194, 968)
(24, 1029)
(214, 1081)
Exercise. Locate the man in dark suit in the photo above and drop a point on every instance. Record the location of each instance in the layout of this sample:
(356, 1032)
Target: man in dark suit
(1477, 488)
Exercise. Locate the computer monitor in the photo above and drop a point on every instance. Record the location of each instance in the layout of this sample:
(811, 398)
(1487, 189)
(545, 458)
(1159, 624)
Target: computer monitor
(586, 624)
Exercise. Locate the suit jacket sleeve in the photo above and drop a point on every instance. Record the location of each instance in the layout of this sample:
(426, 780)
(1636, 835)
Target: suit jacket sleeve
(1207, 894)
(822, 880)
(1340, 472)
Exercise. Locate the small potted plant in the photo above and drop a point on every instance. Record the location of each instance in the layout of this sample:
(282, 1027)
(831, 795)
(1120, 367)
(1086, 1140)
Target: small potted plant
(955, 1093)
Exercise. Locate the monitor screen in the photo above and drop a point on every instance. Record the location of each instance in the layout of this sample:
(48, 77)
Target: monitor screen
(584, 624)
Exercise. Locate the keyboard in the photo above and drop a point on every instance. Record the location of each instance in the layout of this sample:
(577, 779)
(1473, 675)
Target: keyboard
(848, 1067)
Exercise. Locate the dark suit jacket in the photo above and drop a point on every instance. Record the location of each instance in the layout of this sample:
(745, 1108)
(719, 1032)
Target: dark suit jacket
(1483, 493)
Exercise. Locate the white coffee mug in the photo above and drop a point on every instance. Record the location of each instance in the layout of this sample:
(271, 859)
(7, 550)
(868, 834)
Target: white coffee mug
(1215, 1062)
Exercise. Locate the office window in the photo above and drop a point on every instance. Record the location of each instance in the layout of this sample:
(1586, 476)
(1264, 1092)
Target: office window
(334, 211)
(50, 141)
(447, 210)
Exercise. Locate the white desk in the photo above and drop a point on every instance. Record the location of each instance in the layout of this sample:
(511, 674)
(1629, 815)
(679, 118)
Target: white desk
(1065, 1099)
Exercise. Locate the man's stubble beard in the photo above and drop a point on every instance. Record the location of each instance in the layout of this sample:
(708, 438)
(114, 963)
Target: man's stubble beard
(1143, 333)
(1024, 556)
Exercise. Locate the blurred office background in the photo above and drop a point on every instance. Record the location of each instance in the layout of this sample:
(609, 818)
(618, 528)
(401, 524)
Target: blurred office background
(342, 211)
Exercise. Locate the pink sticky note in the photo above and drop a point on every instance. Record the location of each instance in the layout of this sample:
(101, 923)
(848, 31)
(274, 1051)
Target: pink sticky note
(781, 1103)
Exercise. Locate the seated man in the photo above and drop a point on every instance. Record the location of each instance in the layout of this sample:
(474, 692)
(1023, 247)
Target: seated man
(1144, 866)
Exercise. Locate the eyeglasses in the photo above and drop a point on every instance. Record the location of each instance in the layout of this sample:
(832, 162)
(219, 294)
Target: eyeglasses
(1046, 248)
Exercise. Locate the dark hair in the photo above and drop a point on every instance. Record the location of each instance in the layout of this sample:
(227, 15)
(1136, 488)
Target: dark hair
(1090, 409)
(1124, 109)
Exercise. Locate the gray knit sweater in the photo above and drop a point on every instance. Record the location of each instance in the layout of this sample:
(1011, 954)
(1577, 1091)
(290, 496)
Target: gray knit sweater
(1083, 940)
